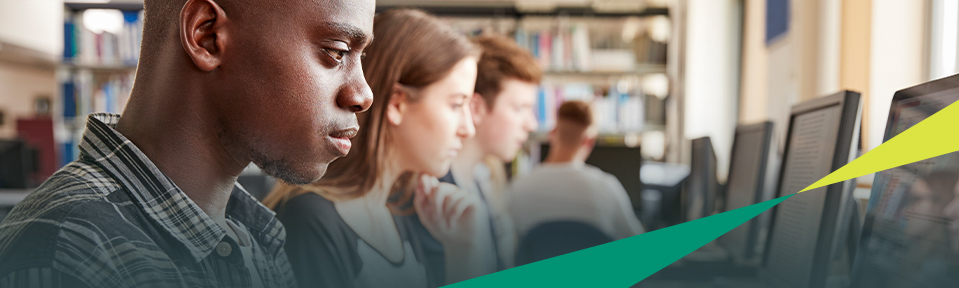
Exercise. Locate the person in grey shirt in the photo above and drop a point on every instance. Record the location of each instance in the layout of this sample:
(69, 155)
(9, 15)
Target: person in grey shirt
(565, 188)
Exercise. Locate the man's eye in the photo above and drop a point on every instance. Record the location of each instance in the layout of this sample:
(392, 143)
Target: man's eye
(337, 55)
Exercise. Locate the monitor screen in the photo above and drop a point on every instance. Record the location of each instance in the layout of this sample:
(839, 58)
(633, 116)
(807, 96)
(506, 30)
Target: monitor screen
(820, 138)
(744, 187)
(911, 234)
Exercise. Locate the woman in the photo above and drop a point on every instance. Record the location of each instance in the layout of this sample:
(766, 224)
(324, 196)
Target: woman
(353, 228)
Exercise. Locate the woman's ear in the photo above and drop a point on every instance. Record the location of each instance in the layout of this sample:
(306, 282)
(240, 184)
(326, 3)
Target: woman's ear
(397, 105)
(478, 108)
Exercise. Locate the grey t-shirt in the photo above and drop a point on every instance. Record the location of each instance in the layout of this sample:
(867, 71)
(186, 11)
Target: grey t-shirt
(245, 241)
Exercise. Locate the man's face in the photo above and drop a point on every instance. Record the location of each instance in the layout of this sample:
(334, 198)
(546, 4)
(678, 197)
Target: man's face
(506, 125)
(291, 84)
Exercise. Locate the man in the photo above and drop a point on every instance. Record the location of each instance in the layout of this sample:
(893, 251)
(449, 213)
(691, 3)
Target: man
(152, 201)
(565, 188)
(502, 110)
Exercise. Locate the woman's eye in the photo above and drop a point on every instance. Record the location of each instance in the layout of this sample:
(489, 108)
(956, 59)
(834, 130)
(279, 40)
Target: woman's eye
(458, 105)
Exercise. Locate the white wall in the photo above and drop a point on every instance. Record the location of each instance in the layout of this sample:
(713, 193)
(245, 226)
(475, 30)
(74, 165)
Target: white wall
(783, 88)
(712, 74)
(830, 28)
(898, 29)
(35, 24)
(943, 38)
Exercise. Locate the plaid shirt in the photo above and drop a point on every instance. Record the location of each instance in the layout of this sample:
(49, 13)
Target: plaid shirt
(112, 219)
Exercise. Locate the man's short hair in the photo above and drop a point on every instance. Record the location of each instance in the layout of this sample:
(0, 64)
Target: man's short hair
(158, 16)
(503, 59)
(161, 18)
(574, 121)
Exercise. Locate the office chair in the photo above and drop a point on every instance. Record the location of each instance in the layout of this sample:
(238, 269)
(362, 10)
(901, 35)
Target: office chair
(557, 238)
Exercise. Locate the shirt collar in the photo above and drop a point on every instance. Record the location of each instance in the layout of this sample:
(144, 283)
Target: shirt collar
(163, 201)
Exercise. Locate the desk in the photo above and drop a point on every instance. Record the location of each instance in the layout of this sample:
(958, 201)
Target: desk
(10, 197)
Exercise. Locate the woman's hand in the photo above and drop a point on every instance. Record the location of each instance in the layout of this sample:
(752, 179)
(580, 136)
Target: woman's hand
(455, 217)
(460, 221)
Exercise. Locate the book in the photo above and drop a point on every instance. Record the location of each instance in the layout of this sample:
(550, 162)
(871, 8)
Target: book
(38, 132)
(85, 47)
(615, 111)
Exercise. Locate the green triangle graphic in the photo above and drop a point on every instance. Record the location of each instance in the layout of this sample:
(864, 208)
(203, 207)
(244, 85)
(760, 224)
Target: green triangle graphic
(625, 262)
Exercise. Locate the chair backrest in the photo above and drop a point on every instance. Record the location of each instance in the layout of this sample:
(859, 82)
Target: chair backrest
(552, 239)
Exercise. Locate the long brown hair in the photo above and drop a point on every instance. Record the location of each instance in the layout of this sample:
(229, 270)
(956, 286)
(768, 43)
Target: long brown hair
(412, 49)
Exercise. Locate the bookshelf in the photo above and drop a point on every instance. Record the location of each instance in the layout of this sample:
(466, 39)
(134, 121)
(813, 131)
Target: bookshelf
(586, 55)
(97, 68)
(640, 70)
(590, 36)
(74, 7)
(509, 10)
(621, 138)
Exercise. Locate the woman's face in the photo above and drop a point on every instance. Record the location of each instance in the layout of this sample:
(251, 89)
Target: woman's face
(502, 129)
(432, 128)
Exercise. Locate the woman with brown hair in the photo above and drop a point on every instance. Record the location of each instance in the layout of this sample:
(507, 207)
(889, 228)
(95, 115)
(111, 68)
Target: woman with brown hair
(354, 227)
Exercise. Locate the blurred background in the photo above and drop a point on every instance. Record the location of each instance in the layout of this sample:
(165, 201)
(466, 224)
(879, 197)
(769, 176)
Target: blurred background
(659, 72)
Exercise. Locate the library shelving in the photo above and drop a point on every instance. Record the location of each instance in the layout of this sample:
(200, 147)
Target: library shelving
(586, 54)
(606, 57)
(96, 70)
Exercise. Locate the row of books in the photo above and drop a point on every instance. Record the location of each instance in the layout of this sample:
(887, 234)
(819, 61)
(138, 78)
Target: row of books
(562, 49)
(83, 46)
(614, 110)
(568, 48)
(82, 94)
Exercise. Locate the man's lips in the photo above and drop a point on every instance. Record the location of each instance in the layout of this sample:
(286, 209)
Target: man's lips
(346, 133)
(341, 139)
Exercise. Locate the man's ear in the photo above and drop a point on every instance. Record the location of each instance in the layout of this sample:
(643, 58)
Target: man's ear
(203, 32)
(590, 141)
(478, 108)
(397, 105)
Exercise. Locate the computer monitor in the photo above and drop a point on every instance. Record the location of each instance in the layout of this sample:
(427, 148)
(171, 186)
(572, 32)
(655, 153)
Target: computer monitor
(662, 194)
(746, 185)
(17, 163)
(911, 233)
(702, 186)
(807, 228)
